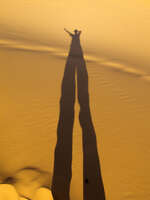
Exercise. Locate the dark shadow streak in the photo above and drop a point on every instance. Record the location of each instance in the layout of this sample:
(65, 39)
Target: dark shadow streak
(92, 183)
(92, 179)
(63, 152)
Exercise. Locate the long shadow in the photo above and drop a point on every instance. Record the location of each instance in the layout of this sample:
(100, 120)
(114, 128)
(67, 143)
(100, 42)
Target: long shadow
(93, 187)
(92, 182)
(63, 151)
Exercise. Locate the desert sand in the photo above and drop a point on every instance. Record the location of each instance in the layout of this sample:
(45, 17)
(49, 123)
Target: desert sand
(33, 54)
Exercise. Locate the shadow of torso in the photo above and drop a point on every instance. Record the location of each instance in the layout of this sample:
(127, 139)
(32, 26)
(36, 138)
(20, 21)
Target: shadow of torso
(75, 47)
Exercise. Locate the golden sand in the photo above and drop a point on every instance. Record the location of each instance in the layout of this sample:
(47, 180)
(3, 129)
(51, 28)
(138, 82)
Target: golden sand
(33, 53)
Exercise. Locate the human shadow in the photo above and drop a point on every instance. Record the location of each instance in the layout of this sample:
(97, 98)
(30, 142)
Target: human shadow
(92, 180)
(93, 187)
(63, 151)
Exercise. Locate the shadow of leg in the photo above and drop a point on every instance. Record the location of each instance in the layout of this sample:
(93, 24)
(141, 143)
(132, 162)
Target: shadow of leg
(63, 151)
(93, 185)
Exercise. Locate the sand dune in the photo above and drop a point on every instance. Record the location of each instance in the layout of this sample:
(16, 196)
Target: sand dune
(58, 52)
(33, 56)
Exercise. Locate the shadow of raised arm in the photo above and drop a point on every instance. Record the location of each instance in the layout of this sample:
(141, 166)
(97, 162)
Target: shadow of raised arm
(68, 32)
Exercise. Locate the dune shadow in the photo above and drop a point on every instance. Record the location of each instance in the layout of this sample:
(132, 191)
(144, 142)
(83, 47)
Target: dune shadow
(92, 180)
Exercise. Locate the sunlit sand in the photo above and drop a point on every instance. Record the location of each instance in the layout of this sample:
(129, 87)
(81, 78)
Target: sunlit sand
(33, 54)
(8, 192)
(44, 194)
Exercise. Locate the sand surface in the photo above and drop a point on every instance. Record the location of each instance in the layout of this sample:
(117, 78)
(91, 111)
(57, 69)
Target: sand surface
(32, 63)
